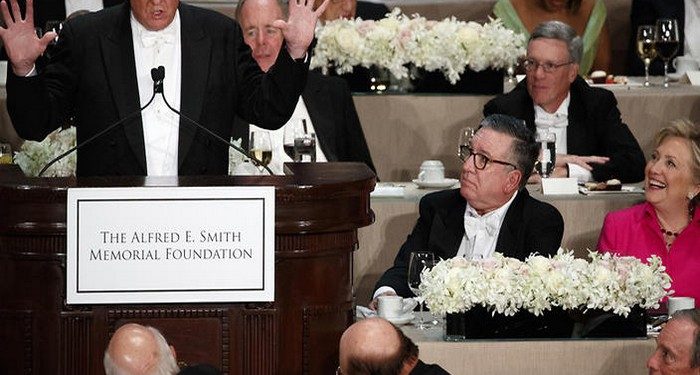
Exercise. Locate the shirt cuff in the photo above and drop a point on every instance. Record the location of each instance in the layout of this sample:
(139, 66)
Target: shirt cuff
(383, 289)
(581, 174)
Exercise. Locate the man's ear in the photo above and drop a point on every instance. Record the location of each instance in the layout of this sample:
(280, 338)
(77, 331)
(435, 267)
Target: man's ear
(172, 350)
(512, 181)
(573, 72)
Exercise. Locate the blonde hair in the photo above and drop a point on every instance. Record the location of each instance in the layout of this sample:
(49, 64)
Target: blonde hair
(686, 129)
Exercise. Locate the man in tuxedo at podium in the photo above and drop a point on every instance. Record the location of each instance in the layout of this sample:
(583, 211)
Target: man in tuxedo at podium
(100, 73)
(325, 104)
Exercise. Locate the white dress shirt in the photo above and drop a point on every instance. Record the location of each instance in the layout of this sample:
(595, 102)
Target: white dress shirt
(557, 123)
(160, 124)
(279, 157)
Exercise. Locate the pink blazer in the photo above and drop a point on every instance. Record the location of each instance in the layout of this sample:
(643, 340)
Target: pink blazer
(635, 232)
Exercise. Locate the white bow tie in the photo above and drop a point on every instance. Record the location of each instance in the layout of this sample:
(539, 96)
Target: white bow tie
(474, 224)
(151, 38)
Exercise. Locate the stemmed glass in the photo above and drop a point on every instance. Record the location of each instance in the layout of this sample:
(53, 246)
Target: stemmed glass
(666, 42)
(646, 48)
(419, 261)
(261, 147)
(292, 130)
(465, 138)
(548, 156)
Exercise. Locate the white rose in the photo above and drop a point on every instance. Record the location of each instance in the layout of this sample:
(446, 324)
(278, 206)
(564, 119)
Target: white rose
(466, 36)
(349, 41)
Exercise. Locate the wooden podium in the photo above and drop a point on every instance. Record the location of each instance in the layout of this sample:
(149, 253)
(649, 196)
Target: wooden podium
(318, 210)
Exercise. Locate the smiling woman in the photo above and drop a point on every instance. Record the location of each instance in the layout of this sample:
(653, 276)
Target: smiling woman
(668, 223)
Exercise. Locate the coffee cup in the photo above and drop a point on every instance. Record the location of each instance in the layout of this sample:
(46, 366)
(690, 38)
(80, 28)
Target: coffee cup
(685, 64)
(680, 303)
(431, 171)
(390, 306)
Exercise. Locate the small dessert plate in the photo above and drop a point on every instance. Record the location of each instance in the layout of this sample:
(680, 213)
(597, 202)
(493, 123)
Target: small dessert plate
(448, 182)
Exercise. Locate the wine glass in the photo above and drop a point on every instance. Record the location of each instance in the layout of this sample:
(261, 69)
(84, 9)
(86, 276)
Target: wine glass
(5, 153)
(548, 156)
(465, 138)
(419, 261)
(292, 130)
(646, 48)
(666, 42)
(261, 147)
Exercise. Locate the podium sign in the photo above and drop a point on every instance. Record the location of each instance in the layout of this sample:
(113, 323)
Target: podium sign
(170, 245)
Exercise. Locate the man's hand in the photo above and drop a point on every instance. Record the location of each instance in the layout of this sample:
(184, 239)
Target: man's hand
(22, 44)
(299, 28)
(582, 161)
(373, 305)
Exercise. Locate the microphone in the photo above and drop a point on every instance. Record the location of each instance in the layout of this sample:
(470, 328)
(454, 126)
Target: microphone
(158, 75)
(107, 129)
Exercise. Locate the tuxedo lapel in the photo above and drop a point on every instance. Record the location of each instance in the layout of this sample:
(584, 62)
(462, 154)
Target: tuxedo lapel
(508, 235)
(316, 98)
(118, 59)
(448, 229)
(196, 52)
(575, 138)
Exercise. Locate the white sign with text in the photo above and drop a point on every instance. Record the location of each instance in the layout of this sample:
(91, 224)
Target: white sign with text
(171, 245)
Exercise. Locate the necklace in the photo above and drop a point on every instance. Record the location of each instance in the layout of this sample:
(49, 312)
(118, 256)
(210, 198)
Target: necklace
(670, 234)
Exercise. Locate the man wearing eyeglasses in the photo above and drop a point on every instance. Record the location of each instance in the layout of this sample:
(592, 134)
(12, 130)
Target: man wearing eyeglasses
(592, 142)
(490, 212)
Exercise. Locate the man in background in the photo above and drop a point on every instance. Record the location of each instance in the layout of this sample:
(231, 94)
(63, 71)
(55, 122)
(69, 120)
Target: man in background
(375, 346)
(325, 104)
(101, 73)
(678, 346)
(592, 142)
(138, 350)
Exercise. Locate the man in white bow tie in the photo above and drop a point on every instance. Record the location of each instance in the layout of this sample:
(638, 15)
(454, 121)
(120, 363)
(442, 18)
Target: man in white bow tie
(490, 212)
(592, 142)
(100, 73)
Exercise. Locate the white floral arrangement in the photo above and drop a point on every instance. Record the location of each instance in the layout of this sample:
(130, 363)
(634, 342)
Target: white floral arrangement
(33, 156)
(398, 40)
(507, 285)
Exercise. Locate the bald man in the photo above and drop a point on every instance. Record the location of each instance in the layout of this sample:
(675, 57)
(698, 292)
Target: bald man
(375, 346)
(138, 350)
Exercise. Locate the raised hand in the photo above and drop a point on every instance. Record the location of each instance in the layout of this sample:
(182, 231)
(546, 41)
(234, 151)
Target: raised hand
(22, 44)
(299, 28)
(583, 161)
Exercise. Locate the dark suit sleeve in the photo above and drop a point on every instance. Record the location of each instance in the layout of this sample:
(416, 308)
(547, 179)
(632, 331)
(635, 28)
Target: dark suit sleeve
(397, 276)
(617, 142)
(40, 104)
(354, 140)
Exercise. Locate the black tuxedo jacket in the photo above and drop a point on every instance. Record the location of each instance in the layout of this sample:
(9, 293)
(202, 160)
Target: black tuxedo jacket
(646, 12)
(332, 112)
(92, 78)
(595, 128)
(368, 10)
(529, 226)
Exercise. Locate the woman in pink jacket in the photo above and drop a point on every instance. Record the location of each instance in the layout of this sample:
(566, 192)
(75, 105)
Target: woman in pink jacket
(668, 223)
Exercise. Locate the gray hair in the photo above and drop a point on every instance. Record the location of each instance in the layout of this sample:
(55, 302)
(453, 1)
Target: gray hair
(166, 360)
(692, 316)
(282, 4)
(524, 150)
(560, 31)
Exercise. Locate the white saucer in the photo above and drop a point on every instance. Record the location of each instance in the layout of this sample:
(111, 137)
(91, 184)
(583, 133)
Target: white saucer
(448, 182)
(401, 320)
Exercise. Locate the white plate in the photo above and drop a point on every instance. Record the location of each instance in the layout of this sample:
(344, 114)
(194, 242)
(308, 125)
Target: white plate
(675, 76)
(448, 182)
(625, 190)
(401, 320)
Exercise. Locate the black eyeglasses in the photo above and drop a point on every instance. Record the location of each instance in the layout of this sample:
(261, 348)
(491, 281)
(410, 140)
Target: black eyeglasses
(531, 65)
(480, 160)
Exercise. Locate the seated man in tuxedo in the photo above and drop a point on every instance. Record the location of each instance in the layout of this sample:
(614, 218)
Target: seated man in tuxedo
(325, 104)
(592, 142)
(491, 211)
(375, 346)
(138, 350)
(101, 73)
